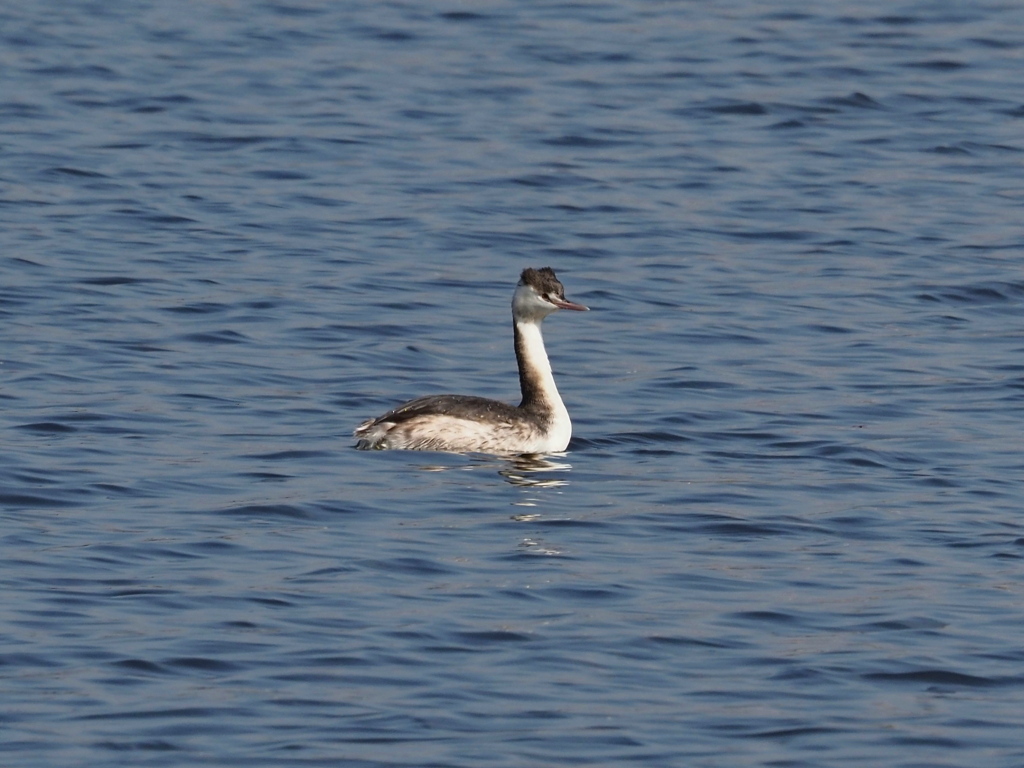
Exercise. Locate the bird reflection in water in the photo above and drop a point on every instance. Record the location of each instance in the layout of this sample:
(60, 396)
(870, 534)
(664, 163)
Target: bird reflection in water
(522, 470)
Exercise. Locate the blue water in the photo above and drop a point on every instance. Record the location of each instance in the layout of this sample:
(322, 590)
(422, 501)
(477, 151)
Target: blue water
(788, 531)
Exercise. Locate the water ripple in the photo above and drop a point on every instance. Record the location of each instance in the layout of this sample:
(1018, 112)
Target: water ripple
(787, 527)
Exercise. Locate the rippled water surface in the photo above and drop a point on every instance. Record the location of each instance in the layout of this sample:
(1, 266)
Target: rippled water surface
(788, 531)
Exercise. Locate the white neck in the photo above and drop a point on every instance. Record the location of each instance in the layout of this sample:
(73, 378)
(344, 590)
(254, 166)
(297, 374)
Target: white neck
(538, 384)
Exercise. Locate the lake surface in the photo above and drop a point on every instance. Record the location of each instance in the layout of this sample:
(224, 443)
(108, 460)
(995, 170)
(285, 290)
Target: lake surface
(788, 530)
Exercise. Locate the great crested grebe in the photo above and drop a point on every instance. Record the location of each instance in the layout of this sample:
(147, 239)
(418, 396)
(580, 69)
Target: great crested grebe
(463, 423)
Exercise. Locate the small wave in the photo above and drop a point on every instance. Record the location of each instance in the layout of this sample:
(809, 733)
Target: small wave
(493, 636)
(855, 99)
(47, 427)
(216, 337)
(767, 617)
(115, 280)
(287, 455)
(266, 510)
(935, 677)
(33, 500)
(985, 293)
(741, 108)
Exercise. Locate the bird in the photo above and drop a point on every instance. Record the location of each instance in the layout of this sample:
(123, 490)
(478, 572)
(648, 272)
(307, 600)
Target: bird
(468, 424)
